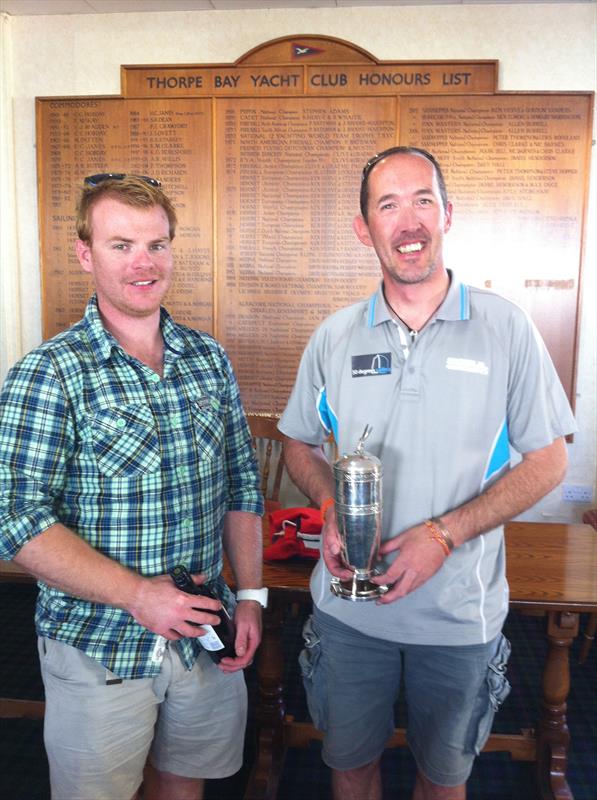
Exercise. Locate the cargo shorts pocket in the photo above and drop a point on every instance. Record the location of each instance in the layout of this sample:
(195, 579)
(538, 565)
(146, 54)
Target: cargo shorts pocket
(495, 690)
(313, 679)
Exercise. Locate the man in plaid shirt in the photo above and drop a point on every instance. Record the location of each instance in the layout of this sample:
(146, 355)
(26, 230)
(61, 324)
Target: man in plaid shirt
(124, 451)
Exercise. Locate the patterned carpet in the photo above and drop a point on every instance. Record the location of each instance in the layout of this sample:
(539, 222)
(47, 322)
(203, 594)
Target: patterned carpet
(23, 765)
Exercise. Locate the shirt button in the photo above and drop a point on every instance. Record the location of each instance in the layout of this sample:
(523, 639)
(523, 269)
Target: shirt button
(120, 423)
(175, 420)
(187, 522)
(155, 378)
(181, 471)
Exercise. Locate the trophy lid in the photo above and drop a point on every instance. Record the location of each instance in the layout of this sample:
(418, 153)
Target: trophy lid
(359, 464)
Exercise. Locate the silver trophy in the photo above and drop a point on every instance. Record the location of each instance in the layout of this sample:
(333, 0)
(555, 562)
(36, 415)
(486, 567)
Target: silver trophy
(358, 511)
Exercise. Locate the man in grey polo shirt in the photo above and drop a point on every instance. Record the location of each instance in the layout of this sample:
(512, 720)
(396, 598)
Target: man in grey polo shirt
(450, 377)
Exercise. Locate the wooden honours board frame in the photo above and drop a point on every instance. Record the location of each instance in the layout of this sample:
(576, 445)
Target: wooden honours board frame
(262, 159)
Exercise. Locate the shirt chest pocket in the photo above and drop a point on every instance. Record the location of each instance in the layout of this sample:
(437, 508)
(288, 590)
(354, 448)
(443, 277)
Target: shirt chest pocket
(208, 423)
(125, 441)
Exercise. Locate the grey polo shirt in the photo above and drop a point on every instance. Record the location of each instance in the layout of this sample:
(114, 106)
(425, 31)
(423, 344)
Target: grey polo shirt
(445, 409)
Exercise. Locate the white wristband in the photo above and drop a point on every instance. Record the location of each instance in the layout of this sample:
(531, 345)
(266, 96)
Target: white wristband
(253, 594)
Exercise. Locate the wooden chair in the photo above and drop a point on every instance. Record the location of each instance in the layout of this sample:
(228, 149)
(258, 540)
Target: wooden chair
(267, 441)
(270, 455)
(589, 518)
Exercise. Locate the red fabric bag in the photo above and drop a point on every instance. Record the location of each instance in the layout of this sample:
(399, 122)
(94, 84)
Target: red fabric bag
(294, 532)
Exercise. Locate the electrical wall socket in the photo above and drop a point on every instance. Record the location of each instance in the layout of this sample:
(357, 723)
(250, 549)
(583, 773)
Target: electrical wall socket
(577, 493)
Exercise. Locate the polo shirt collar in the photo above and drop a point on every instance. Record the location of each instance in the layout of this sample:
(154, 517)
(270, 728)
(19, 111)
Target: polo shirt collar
(457, 302)
(455, 306)
(377, 308)
(103, 343)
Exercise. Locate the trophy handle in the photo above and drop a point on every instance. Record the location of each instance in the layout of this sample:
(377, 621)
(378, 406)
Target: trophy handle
(364, 437)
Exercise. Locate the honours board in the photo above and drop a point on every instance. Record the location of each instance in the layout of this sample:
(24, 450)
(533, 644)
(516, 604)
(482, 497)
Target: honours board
(264, 171)
(171, 139)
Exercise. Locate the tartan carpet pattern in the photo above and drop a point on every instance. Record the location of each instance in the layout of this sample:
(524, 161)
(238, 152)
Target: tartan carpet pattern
(23, 765)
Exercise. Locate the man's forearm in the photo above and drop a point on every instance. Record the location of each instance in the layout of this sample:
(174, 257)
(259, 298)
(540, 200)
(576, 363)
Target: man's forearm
(243, 545)
(415, 563)
(310, 470)
(537, 474)
(63, 560)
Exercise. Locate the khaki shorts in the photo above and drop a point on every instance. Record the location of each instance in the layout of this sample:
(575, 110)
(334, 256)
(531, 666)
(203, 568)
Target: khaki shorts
(98, 735)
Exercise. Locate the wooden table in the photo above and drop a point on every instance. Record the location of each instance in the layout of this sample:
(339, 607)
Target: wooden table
(551, 568)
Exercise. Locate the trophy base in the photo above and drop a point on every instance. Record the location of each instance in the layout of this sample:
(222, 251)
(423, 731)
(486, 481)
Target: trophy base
(357, 589)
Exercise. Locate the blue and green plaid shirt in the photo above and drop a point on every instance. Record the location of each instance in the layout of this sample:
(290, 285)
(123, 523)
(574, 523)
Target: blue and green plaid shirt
(143, 468)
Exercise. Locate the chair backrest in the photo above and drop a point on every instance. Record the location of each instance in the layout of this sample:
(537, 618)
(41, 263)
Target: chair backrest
(267, 441)
(590, 518)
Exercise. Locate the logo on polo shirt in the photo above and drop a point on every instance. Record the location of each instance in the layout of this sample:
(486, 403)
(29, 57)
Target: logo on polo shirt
(467, 365)
(371, 364)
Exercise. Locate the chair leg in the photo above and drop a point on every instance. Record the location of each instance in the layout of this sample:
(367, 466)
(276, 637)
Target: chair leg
(588, 637)
(589, 518)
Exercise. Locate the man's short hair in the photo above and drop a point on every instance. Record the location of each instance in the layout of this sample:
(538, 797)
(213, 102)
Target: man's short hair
(394, 151)
(131, 190)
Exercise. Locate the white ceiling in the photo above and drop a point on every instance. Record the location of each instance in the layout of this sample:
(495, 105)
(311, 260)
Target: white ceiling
(31, 7)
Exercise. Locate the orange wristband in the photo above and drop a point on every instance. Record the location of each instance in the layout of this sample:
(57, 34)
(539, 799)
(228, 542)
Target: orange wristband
(440, 534)
(443, 532)
(329, 501)
(441, 542)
